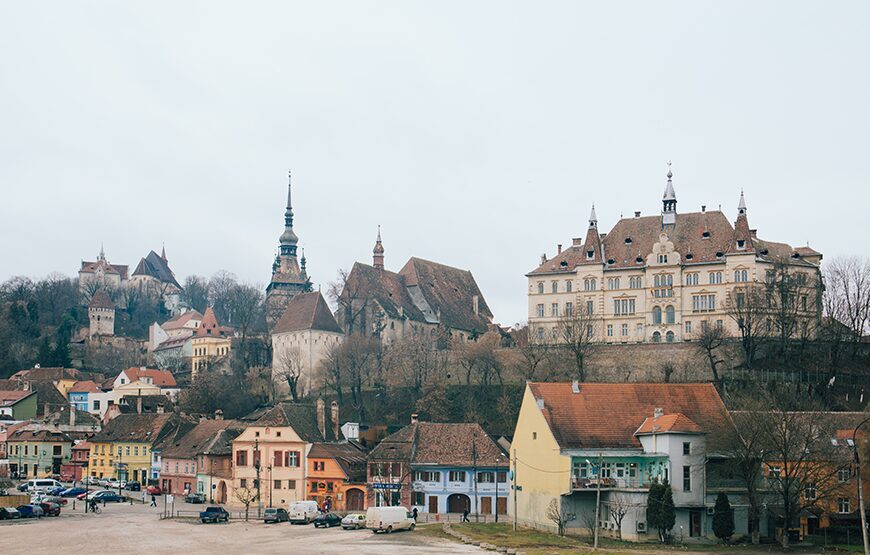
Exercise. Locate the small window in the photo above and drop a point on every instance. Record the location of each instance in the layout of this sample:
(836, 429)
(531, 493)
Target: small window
(705, 234)
(555, 287)
(534, 435)
(628, 240)
(741, 244)
(690, 256)
(687, 447)
(590, 255)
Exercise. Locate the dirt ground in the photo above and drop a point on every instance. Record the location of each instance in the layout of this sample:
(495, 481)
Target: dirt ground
(138, 529)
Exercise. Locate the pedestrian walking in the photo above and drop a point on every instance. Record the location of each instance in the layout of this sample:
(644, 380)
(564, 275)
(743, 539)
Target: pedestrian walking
(153, 500)
(465, 516)
(415, 514)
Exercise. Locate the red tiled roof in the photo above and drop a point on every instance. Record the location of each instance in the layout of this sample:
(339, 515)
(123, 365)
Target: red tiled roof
(87, 386)
(433, 443)
(101, 300)
(181, 320)
(209, 326)
(160, 378)
(92, 267)
(606, 415)
(307, 311)
(11, 397)
(668, 423)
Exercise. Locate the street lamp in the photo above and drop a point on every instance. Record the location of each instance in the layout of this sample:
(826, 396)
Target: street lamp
(860, 487)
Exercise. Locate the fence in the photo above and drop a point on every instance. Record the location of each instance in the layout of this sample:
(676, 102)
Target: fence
(837, 535)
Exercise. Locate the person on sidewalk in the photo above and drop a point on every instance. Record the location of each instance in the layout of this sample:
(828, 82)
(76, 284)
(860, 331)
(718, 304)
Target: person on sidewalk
(465, 516)
(153, 500)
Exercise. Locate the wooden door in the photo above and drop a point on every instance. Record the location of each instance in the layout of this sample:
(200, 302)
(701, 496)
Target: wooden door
(433, 504)
(501, 505)
(486, 505)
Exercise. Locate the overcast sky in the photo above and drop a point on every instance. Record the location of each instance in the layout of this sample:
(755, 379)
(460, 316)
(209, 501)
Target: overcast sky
(476, 133)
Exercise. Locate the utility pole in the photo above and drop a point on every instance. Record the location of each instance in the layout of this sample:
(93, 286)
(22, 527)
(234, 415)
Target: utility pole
(474, 471)
(597, 501)
(515, 489)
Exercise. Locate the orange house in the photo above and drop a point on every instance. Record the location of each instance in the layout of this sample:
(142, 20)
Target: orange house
(337, 476)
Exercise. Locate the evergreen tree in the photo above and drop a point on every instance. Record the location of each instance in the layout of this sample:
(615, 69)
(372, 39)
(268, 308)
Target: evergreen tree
(723, 518)
(668, 516)
(654, 506)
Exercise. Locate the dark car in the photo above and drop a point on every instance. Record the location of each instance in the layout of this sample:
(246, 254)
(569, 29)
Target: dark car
(55, 490)
(275, 515)
(154, 490)
(214, 514)
(21, 487)
(327, 520)
(30, 511)
(50, 509)
(133, 486)
(195, 498)
(108, 496)
(73, 492)
(8, 513)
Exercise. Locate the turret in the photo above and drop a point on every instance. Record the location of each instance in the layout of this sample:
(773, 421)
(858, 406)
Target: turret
(378, 252)
(669, 202)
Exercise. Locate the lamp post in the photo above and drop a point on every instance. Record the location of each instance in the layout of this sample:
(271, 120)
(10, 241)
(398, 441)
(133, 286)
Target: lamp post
(270, 485)
(861, 487)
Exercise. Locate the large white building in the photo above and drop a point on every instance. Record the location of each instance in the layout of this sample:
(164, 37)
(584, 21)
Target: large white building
(660, 278)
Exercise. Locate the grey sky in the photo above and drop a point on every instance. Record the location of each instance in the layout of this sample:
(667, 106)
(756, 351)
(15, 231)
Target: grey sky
(476, 133)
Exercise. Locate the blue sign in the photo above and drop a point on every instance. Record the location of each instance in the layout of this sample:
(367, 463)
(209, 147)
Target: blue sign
(378, 485)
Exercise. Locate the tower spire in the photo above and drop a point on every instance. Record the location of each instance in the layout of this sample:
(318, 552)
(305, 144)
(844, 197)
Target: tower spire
(741, 206)
(378, 252)
(163, 252)
(593, 218)
(102, 252)
(288, 239)
(288, 213)
(669, 201)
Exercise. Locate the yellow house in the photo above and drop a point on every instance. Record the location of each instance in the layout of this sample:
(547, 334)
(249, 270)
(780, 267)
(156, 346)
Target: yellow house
(124, 448)
(210, 341)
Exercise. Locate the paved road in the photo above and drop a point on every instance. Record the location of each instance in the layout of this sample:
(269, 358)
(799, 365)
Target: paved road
(137, 529)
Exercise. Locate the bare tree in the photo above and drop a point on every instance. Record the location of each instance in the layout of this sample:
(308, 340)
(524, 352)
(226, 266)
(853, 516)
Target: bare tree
(576, 331)
(350, 293)
(478, 359)
(352, 364)
(195, 293)
(793, 298)
(668, 369)
(847, 301)
(618, 506)
(415, 362)
(535, 353)
(557, 515)
(709, 341)
(287, 368)
(747, 306)
(246, 496)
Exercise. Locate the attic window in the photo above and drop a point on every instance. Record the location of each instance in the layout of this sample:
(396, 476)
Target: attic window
(639, 260)
(705, 234)
(590, 254)
(741, 244)
(611, 261)
(763, 252)
(795, 255)
(628, 240)
(720, 254)
(563, 264)
(689, 256)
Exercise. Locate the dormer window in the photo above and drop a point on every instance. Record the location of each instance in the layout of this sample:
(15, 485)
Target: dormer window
(795, 255)
(563, 264)
(611, 261)
(764, 252)
(705, 234)
(690, 256)
(590, 255)
(639, 260)
(741, 244)
(628, 241)
(720, 254)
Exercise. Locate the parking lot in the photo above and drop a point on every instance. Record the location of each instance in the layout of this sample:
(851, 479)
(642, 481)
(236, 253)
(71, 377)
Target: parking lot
(137, 528)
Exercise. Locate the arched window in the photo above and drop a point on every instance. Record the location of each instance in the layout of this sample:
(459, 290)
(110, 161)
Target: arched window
(540, 287)
(669, 314)
(657, 337)
(657, 315)
(669, 337)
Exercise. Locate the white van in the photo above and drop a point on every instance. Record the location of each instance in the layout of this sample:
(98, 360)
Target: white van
(303, 511)
(387, 519)
(41, 484)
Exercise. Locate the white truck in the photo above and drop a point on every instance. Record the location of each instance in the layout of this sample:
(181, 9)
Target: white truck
(388, 519)
(303, 512)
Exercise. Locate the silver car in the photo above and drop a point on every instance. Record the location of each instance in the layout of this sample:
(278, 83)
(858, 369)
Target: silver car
(353, 521)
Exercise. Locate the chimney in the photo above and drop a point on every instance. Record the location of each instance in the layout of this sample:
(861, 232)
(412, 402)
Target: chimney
(753, 233)
(475, 304)
(559, 248)
(139, 404)
(637, 213)
(160, 408)
(577, 241)
(141, 368)
(218, 414)
(72, 416)
(321, 416)
(415, 419)
(543, 257)
(703, 208)
(658, 412)
(575, 386)
(333, 412)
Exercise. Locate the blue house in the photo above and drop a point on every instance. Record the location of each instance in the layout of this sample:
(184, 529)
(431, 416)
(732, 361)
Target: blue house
(79, 393)
(440, 468)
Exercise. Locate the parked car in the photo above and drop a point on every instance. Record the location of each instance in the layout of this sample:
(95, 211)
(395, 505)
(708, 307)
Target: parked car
(21, 487)
(73, 492)
(154, 490)
(30, 511)
(117, 484)
(388, 519)
(327, 520)
(37, 498)
(9, 513)
(50, 509)
(214, 514)
(354, 521)
(92, 481)
(133, 486)
(104, 482)
(303, 512)
(107, 496)
(41, 484)
(55, 490)
(275, 515)
(195, 498)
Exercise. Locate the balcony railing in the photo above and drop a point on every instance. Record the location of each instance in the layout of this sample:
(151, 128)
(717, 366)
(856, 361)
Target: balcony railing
(609, 483)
